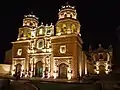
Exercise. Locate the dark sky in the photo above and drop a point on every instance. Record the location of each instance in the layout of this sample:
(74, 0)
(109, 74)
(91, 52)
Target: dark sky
(99, 19)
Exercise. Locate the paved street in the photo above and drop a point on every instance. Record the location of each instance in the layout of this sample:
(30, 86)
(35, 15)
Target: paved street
(21, 85)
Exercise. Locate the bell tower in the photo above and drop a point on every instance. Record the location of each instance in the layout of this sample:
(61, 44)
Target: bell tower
(27, 31)
(67, 46)
(30, 21)
(67, 22)
(20, 48)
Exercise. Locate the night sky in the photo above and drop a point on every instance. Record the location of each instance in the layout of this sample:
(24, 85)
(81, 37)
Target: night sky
(99, 19)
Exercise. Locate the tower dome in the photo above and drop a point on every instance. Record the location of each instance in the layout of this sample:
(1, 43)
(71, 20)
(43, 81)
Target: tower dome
(67, 21)
(67, 11)
(30, 21)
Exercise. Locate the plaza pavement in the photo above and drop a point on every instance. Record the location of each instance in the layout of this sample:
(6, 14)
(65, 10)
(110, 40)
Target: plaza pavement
(44, 79)
(21, 85)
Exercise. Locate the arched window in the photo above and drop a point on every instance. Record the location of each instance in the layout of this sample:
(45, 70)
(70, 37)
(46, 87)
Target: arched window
(73, 28)
(64, 27)
(58, 30)
(40, 44)
(29, 33)
(31, 24)
(40, 31)
(48, 31)
(101, 56)
(65, 15)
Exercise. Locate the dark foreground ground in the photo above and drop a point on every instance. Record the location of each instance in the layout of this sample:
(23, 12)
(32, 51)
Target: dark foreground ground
(109, 82)
(40, 85)
(66, 86)
(6, 84)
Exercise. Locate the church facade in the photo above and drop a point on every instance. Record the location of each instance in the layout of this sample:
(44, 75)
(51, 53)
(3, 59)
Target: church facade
(50, 51)
(39, 51)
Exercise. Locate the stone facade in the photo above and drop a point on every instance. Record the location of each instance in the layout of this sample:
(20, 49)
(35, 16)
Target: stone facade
(39, 51)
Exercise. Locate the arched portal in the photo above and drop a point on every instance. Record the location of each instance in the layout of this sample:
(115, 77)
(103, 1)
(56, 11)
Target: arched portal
(63, 71)
(101, 69)
(39, 69)
(18, 68)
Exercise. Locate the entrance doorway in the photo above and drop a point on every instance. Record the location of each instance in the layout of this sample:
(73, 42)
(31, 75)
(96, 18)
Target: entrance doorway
(102, 69)
(39, 69)
(63, 71)
(18, 69)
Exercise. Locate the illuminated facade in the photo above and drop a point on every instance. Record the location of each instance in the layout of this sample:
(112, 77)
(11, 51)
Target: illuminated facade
(101, 59)
(41, 52)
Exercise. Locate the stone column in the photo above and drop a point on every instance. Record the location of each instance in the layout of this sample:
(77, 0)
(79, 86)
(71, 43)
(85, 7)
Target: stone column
(43, 70)
(49, 68)
(34, 65)
(69, 70)
(55, 74)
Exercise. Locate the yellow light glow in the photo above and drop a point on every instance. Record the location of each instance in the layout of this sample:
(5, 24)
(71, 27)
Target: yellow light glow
(22, 68)
(69, 76)
(85, 66)
(97, 63)
(48, 75)
(55, 75)
(40, 32)
(43, 44)
(97, 67)
(106, 72)
(97, 72)
(12, 72)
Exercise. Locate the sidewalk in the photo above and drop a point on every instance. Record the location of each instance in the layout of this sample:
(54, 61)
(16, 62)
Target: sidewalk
(44, 79)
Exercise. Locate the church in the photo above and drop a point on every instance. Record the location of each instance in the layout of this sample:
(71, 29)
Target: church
(55, 51)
